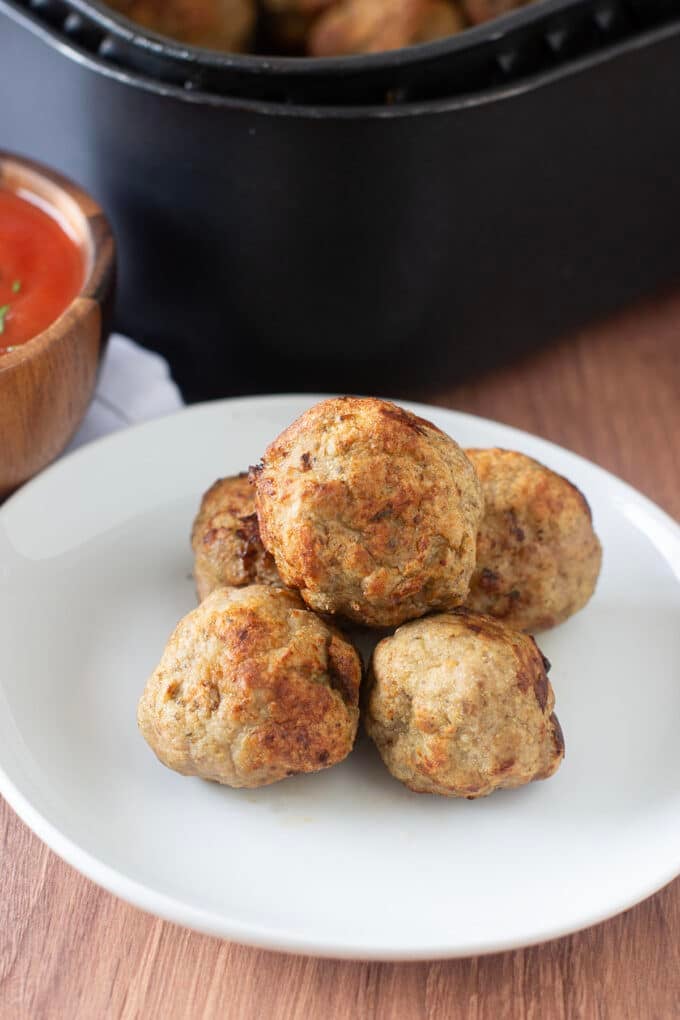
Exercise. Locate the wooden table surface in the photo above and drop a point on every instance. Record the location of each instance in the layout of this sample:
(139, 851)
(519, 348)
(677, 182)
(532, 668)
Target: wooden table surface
(70, 950)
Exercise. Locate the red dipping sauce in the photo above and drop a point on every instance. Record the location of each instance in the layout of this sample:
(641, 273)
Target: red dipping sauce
(41, 270)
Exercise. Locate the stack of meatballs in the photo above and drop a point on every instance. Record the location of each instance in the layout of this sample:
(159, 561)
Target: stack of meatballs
(363, 515)
(320, 28)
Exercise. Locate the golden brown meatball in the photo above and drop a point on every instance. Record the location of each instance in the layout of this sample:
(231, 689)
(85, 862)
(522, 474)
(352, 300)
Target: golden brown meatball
(216, 24)
(461, 705)
(226, 539)
(371, 26)
(252, 688)
(357, 26)
(370, 511)
(538, 558)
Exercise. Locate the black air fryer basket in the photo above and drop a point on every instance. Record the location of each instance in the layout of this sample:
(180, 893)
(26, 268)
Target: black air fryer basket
(342, 223)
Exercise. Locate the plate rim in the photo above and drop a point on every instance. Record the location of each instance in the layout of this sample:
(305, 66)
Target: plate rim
(173, 909)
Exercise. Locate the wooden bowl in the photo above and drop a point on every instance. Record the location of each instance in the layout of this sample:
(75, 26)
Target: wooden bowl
(46, 384)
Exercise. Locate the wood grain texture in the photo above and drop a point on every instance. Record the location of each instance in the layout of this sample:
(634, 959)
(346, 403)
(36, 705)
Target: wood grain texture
(69, 950)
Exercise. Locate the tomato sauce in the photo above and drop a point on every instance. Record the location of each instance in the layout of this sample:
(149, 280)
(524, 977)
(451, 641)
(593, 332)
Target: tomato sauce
(41, 270)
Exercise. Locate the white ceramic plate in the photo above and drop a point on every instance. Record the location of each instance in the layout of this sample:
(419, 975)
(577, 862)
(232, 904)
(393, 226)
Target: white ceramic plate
(95, 571)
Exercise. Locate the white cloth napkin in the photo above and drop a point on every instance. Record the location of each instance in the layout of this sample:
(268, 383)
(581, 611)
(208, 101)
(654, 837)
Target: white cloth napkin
(134, 385)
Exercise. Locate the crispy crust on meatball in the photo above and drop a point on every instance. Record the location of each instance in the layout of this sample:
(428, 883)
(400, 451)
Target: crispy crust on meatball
(460, 705)
(226, 540)
(538, 558)
(252, 688)
(370, 511)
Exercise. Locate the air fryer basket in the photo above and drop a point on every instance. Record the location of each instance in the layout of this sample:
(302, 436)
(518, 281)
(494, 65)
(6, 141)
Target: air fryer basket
(528, 41)
(269, 245)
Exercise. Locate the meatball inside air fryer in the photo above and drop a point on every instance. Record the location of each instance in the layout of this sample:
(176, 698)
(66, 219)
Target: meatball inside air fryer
(216, 24)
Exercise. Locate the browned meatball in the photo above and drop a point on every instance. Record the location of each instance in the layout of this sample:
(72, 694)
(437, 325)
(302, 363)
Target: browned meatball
(252, 688)
(440, 19)
(484, 10)
(538, 558)
(216, 24)
(302, 7)
(226, 539)
(461, 705)
(370, 511)
(366, 26)
(337, 27)
(370, 26)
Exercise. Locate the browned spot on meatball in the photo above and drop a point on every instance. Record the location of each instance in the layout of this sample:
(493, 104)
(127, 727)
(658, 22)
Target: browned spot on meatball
(468, 620)
(557, 734)
(249, 531)
(404, 418)
(342, 675)
(381, 515)
(489, 580)
(541, 688)
(514, 526)
(340, 682)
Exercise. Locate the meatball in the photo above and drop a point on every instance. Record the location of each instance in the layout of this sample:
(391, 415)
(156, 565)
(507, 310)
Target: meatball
(484, 10)
(226, 539)
(370, 26)
(302, 7)
(461, 705)
(337, 27)
(217, 24)
(370, 511)
(252, 688)
(440, 20)
(538, 558)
